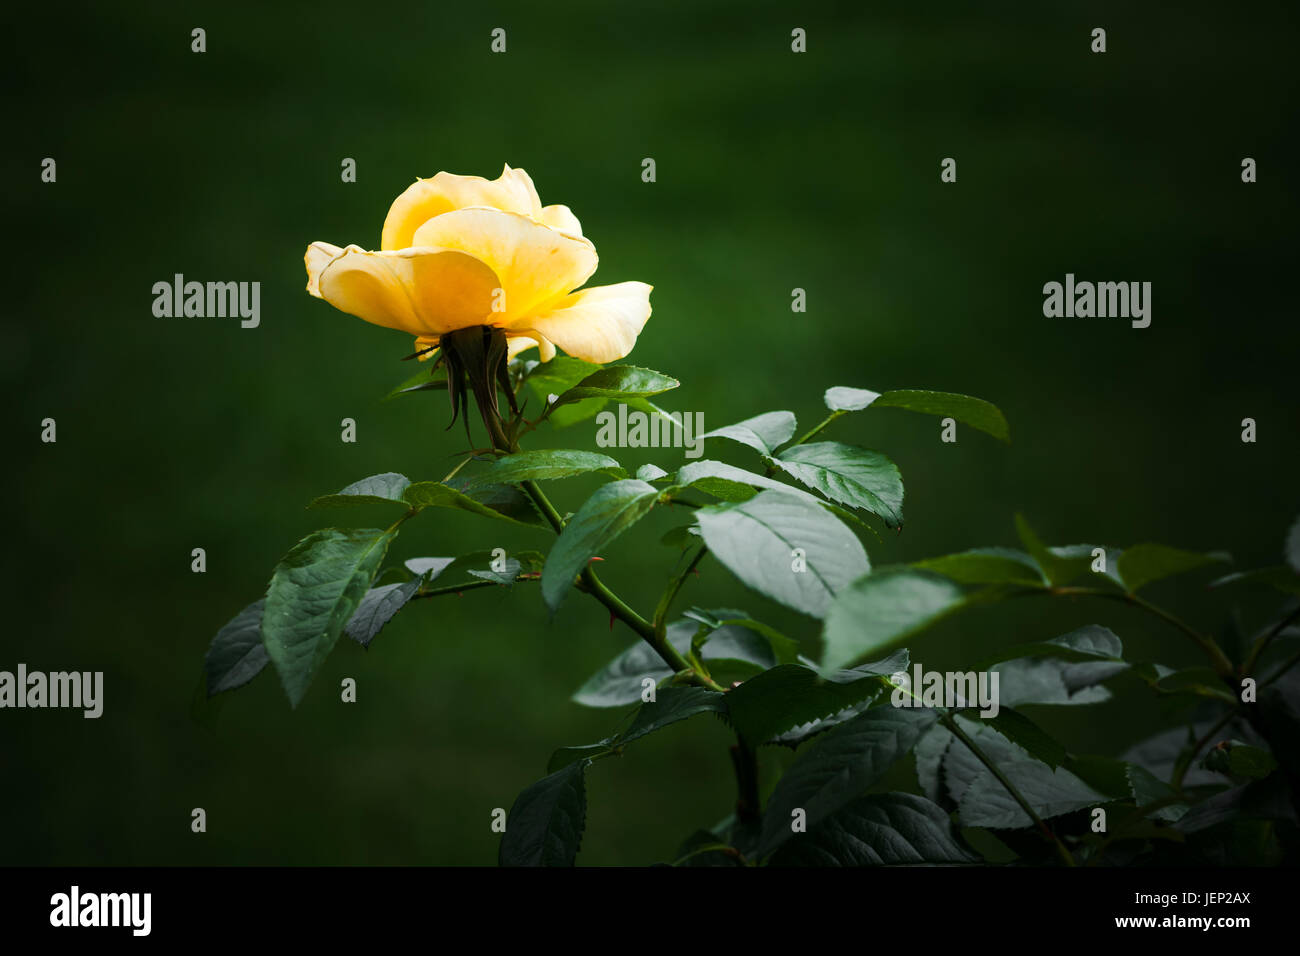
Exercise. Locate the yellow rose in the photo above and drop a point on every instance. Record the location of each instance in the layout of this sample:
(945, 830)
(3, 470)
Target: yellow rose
(463, 251)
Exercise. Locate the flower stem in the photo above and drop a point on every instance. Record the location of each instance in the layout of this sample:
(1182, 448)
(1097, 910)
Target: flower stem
(591, 583)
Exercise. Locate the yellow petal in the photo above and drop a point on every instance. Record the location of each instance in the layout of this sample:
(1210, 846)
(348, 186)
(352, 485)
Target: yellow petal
(512, 191)
(536, 264)
(319, 255)
(425, 342)
(563, 219)
(519, 343)
(598, 324)
(424, 291)
(522, 343)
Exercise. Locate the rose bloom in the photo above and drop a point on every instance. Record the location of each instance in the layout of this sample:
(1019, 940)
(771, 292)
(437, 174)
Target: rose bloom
(463, 251)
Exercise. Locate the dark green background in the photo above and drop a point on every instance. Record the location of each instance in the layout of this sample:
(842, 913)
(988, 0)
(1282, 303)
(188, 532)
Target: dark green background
(775, 170)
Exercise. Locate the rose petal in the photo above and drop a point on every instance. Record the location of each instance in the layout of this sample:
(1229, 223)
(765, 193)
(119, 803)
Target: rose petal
(536, 264)
(319, 255)
(423, 291)
(563, 219)
(512, 191)
(599, 324)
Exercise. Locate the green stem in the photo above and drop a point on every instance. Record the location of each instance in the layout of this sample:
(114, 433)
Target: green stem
(745, 763)
(1185, 763)
(543, 505)
(452, 474)
(1292, 662)
(951, 724)
(1222, 665)
(1262, 645)
(675, 586)
(467, 586)
(813, 433)
(590, 583)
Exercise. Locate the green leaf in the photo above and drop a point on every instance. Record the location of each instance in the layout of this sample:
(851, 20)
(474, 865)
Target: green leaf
(423, 380)
(377, 608)
(792, 695)
(784, 650)
(1146, 789)
(883, 829)
(1195, 681)
(1161, 752)
(506, 576)
(850, 475)
(314, 592)
(489, 500)
(236, 654)
(841, 398)
(1056, 682)
(566, 416)
(764, 433)
(1035, 741)
(377, 488)
(974, 412)
(986, 566)
(1089, 643)
(435, 494)
(1144, 563)
(432, 567)
(620, 681)
(757, 541)
(609, 512)
(558, 375)
(544, 827)
(1239, 760)
(881, 610)
(618, 382)
(651, 472)
(729, 482)
(544, 464)
(1279, 578)
(680, 537)
(982, 799)
(671, 704)
(507, 501)
(930, 751)
(1266, 799)
(1057, 570)
(838, 767)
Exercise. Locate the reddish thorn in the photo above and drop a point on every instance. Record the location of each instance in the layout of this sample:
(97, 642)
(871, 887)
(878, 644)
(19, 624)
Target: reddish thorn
(595, 559)
(695, 571)
(611, 620)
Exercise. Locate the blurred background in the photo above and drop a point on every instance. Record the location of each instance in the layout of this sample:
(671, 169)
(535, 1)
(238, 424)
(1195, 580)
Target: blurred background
(774, 171)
